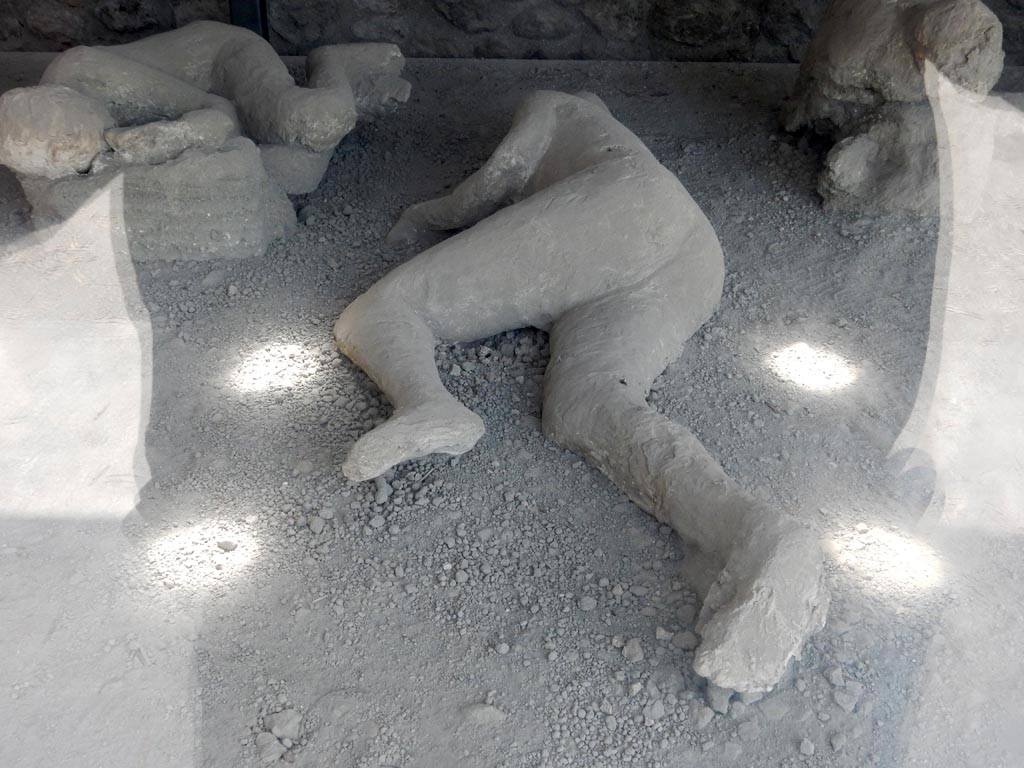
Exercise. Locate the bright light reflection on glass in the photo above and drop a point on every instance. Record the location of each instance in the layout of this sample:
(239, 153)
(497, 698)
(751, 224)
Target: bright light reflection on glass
(274, 366)
(891, 562)
(201, 555)
(811, 368)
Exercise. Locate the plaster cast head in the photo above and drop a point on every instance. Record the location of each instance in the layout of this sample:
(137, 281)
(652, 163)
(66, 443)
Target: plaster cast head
(51, 130)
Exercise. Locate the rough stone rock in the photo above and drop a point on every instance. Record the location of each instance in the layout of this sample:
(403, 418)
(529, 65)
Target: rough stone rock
(284, 724)
(269, 748)
(483, 714)
(51, 131)
(869, 52)
(163, 140)
(685, 640)
(10, 33)
(55, 21)
(633, 651)
(135, 15)
(543, 23)
(469, 15)
(375, 28)
(718, 698)
(697, 26)
(785, 32)
(201, 205)
(623, 19)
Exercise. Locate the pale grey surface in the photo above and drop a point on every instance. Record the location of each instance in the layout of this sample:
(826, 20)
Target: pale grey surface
(128, 643)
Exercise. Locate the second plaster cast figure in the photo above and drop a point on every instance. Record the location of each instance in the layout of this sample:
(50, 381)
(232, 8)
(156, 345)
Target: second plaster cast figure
(575, 228)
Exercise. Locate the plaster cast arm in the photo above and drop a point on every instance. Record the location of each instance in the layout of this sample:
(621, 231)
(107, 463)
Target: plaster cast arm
(499, 182)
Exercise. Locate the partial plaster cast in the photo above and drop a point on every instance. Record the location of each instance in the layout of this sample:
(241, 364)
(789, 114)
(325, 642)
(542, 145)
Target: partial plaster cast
(862, 83)
(202, 67)
(572, 226)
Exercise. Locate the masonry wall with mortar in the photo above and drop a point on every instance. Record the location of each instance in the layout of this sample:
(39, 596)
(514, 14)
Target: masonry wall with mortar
(685, 30)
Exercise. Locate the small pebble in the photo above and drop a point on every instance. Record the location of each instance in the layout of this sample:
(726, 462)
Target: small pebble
(718, 698)
(685, 640)
(749, 730)
(284, 724)
(384, 490)
(633, 651)
(835, 676)
(704, 716)
(847, 701)
(269, 748)
(483, 714)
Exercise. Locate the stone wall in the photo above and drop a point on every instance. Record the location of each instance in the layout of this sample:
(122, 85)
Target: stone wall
(52, 25)
(694, 30)
(616, 29)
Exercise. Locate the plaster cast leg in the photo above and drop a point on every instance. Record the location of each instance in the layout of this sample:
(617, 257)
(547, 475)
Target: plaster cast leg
(769, 597)
(133, 92)
(381, 334)
(273, 109)
(167, 75)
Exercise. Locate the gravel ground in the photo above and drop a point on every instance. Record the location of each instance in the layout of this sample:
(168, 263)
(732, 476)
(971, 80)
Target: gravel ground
(510, 607)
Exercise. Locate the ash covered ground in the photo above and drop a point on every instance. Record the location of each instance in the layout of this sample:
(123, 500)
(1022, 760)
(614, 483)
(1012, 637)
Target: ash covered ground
(511, 607)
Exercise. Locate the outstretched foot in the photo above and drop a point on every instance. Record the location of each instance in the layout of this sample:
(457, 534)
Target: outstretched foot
(444, 427)
(768, 600)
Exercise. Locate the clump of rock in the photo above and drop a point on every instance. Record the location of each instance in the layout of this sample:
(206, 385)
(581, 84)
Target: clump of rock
(864, 84)
(203, 127)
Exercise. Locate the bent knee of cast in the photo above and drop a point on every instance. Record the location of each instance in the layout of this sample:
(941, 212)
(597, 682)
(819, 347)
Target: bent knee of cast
(367, 310)
(349, 319)
(565, 422)
(576, 408)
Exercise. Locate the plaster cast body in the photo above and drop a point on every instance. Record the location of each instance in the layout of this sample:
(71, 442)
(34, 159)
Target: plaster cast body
(862, 83)
(574, 227)
(178, 113)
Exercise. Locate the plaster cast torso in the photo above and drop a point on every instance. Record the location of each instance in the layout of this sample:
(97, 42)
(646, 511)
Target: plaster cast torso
(597, 213)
